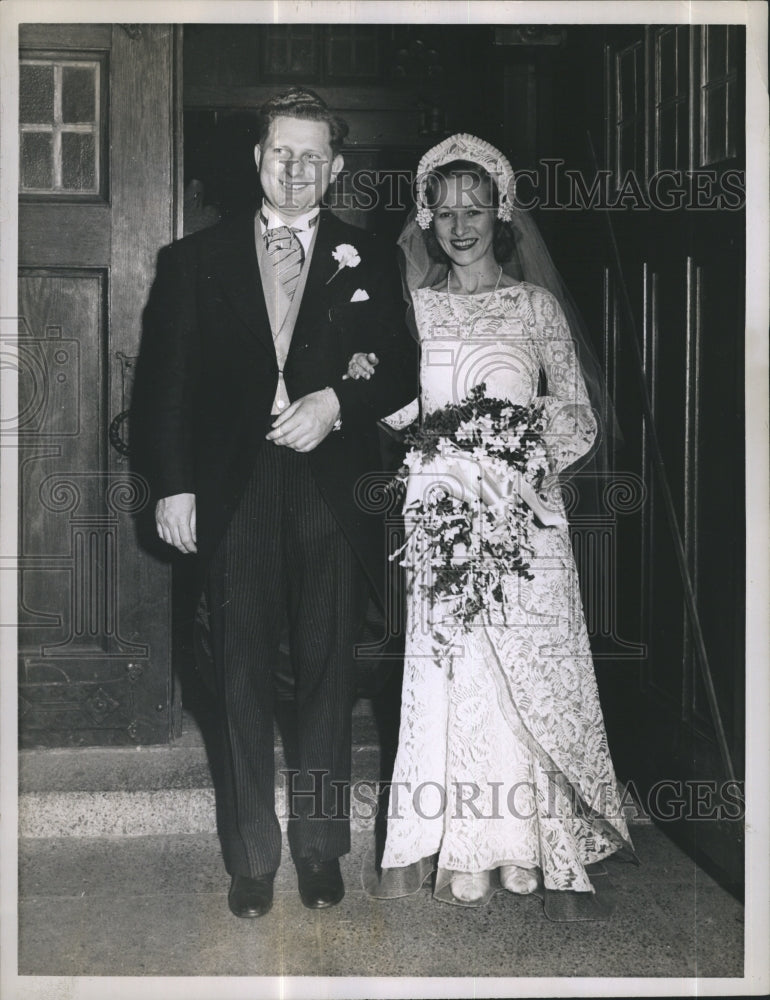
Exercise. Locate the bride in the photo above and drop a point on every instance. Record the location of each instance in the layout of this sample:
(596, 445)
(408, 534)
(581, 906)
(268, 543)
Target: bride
(503, 776)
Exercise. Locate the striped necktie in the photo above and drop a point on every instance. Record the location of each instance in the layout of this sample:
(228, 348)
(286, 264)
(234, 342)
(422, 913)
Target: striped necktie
(287, 256)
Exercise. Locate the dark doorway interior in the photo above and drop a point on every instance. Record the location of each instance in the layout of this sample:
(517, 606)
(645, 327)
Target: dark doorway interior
(665, 314)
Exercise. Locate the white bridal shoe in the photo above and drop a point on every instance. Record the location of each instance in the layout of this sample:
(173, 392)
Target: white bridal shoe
(519, 880)
(469, 887)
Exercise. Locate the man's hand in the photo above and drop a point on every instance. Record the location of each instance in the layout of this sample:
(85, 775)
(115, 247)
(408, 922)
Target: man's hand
(304, 424)
(175, 521)
(361, 365)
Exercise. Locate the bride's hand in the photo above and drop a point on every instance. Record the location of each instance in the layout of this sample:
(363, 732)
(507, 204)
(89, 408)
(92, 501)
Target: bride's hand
(494, 491)
(362, 365)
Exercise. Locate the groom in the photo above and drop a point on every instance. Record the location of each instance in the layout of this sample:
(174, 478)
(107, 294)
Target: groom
(255, 444)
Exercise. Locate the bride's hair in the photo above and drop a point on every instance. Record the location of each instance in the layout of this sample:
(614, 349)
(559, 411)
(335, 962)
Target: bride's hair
(484, 188)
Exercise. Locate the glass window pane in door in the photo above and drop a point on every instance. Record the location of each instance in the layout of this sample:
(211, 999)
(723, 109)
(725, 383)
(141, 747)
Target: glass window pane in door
(36, 91)
(78, 155)
(36, 161)
(78, 94)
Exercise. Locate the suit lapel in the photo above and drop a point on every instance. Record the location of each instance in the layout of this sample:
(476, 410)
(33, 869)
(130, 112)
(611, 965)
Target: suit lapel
(317, 296)
(236, 270)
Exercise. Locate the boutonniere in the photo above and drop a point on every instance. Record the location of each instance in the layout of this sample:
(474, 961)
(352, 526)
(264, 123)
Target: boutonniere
(346, 255)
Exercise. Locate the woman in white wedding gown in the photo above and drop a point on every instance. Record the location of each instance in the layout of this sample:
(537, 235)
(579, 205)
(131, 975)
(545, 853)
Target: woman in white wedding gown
(503, 777)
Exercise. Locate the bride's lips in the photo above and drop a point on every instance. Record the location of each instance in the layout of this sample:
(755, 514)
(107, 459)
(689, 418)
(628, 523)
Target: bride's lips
(464, 244)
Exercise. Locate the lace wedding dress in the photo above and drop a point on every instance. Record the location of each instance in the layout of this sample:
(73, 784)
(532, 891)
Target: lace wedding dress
(503, 757)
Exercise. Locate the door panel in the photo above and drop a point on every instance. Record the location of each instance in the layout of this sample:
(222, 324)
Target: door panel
(75, 669)
(83, 234)
(684, 271)
(94, 637)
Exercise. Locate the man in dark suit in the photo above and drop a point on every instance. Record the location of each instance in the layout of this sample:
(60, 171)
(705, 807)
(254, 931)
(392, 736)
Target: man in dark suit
(254, 445)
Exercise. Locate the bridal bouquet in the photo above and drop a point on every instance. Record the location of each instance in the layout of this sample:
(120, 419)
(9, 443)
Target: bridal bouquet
(465, 476)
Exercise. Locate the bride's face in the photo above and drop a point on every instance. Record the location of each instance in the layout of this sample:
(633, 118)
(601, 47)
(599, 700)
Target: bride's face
(464, 220)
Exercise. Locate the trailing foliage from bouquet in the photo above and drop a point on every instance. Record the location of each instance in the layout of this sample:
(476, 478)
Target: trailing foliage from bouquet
(463, 548)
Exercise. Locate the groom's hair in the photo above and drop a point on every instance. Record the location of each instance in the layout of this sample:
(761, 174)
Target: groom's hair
(303, 103)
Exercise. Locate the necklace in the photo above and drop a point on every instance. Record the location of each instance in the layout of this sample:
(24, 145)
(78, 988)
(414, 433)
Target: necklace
(479, 312)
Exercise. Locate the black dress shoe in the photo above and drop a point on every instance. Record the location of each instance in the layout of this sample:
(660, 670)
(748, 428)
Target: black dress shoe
(251, 897)
(320, 882)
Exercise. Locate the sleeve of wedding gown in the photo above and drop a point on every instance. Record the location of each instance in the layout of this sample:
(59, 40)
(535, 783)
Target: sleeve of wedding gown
(571, 426)
(402, 418)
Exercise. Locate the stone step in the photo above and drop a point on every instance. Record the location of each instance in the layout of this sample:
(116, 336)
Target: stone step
(143, 791)
(184, 763)
(164, 790)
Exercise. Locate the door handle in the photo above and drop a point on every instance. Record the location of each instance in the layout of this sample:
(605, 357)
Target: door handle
(117, 441)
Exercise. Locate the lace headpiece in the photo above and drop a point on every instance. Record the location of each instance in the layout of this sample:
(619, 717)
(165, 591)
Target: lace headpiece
(466, 147)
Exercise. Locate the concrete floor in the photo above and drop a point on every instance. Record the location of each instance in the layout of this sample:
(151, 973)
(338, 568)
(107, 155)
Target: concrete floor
(157, 906)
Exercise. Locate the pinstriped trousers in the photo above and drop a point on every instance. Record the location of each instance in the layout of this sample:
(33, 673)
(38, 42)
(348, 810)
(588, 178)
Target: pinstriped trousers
(284, 553)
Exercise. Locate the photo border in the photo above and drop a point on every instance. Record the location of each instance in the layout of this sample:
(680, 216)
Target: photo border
(757, 927)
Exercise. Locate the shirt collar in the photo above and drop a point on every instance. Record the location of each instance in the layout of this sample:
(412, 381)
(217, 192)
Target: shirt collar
(270, 218)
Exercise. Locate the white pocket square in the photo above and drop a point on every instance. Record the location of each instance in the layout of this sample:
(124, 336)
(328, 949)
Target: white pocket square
(360, 295)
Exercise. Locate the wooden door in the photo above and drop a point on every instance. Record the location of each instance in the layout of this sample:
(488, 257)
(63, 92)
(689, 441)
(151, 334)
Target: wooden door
(673, 102)
(97, 200)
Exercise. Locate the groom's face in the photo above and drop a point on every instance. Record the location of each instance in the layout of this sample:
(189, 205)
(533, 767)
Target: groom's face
(296, 165)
